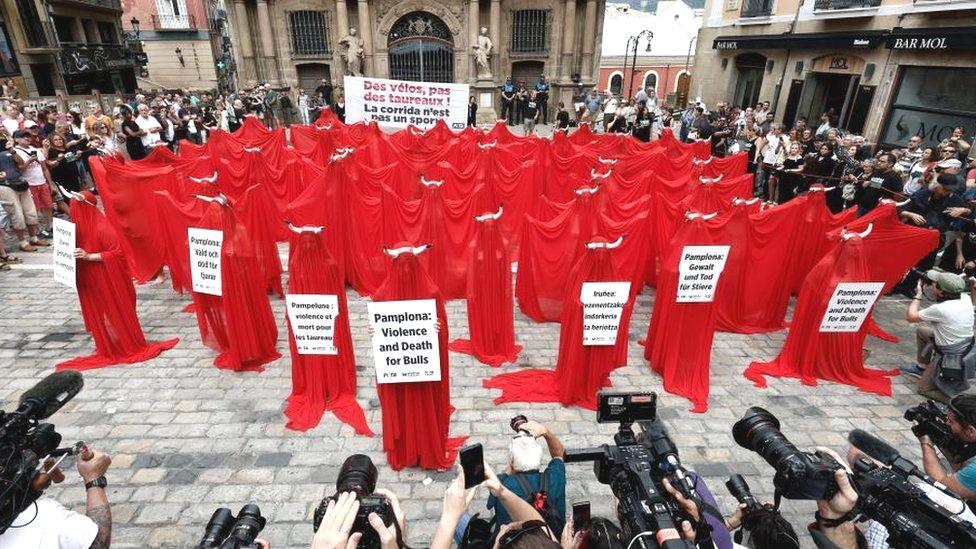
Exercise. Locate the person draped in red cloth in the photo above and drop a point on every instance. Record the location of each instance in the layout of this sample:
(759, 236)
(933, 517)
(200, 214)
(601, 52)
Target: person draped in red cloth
(239, 323)
(321, 382)
(679, 337)
(106, 293)
(810, 354)
(417, 416)
(491, 321)
(581, 370)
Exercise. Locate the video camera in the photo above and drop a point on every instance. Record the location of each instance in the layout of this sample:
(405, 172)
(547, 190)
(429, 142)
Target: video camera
(885, 494)
(358, 474)
(226, 531)
(930, 420)
(25, 444)
(634, 467)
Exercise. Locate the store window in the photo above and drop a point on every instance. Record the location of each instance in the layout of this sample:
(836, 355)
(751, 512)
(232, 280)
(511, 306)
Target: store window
(930, 102)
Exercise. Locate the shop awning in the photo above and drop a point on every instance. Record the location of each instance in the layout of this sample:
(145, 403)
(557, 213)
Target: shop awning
(859, 40)
(932, 39)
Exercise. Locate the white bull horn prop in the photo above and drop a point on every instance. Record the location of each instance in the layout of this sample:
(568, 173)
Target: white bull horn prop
(740, 201)
(486, 146)
(252, 149)
(431, 182)
(689, 215)
(709, 180)
(212, 179)
(608, 245)
(594, 175)
(486, 216)
(586, 190)
(396, 252)
(306, 229)
(847, 235)
(705, 161)
(610, 161)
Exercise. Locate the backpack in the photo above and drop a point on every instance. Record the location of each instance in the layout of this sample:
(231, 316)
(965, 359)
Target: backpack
(539, 500)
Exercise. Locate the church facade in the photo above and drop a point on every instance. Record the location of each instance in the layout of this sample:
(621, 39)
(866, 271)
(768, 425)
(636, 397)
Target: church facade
(296, 43)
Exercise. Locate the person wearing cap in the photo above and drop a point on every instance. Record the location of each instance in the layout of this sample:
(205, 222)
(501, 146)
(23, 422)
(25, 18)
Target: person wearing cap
(542, 98)
(944, 363)
(951, 167)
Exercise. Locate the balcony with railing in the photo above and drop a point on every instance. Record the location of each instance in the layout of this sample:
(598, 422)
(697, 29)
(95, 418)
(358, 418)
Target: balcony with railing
(757, 8)
(111, 5)
(169, 21)
(831, 5)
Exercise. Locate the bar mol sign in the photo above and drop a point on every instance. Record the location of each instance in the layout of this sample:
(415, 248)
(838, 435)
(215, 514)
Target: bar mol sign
(934, 43)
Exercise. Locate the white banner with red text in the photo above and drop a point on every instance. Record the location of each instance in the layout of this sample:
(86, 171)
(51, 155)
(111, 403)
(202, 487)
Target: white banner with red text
(398, 104)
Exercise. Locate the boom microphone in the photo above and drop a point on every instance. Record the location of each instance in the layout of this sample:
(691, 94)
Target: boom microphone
(50, 394)
(873, 446)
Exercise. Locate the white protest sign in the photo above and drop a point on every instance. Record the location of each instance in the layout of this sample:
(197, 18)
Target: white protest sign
(312, 318)
(397, 104)
(205, 259)
(64, 253)
(849, 306)
(405, 344)
(603, 305)
(698, 273)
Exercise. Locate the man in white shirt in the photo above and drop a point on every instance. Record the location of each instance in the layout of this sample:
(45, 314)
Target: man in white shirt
(46, 524)
(35, 173)
(11, 122)
(149, 125)
(948, 331)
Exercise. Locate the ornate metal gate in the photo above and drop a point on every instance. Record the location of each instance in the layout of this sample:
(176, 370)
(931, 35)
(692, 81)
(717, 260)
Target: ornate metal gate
(421, 49)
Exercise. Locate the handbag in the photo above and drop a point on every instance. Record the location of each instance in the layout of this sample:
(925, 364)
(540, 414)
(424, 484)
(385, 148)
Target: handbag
(18, 185)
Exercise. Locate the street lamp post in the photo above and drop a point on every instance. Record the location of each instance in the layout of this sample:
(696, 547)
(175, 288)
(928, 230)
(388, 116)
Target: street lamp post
(632, 43)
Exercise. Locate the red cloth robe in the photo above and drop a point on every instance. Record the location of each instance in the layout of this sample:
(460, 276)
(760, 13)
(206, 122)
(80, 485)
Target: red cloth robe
(491, 321)
(417, 416)
(107, 296)
(679, 337)
(581, 370)
(321, 382)
(809, 354)
(239, 324)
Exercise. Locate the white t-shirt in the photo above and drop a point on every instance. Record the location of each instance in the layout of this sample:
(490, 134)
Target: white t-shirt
(952, 321)
(54, 527)
(771, 150)
(34, 174)
(151, 126)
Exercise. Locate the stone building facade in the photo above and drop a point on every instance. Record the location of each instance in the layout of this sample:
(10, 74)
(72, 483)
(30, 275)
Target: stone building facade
(886, 69)
(296, 43)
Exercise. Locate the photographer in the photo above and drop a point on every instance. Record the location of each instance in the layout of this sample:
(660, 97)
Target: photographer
(526, 528)
(943, 367)
(545, 490)
(961, 419)
(47, 524)
(335, 530)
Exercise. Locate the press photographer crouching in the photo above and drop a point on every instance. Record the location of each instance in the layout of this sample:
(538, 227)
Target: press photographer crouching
(945, 356)
(545, 490)
(31, 458)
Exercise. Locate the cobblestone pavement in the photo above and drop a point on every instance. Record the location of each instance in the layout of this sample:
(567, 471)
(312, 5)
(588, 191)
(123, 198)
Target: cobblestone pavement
(186, 438)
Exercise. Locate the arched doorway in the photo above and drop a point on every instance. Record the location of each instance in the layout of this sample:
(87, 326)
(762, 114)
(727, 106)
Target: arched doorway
(421, 49)
(750, 67)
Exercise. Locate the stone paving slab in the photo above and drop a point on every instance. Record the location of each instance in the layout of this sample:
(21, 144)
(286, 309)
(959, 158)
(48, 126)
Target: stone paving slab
(186, 437)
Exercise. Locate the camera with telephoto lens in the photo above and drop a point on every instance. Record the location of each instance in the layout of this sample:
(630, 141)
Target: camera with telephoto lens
(634, 468)
(226, 531)
(764, 524)
(799, 475)
(358, 475)
(25, 442)
(930, 420)
(517, 423)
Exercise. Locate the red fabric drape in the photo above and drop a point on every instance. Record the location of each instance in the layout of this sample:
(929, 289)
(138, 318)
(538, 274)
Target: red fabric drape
(106, 295)
(809, 354)
(239, 324)
(679, 337)
(491, 320)
(321, 382)
(581, 370)
(417, 416)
